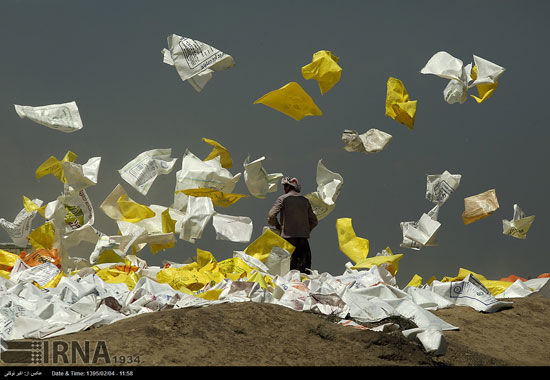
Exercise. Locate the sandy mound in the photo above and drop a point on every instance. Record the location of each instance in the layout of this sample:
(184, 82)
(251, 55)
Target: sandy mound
(255, 334)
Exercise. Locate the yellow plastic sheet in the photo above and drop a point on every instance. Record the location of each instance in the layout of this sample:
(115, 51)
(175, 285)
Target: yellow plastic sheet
(391, 260)
(55, 167)
(494, 286)
(235, 268)
(219, 150)
(42, 237)
(168, 224)
(324, 69)
(53, 282)
(398, 105)
(109, 256)
(416, 281)
(132, 211)
(182, 279)
(211, 295)
(485, 91)
(117, 276)
(219, 198)
(261, 247)
(292, 100)
(354, 247)
(30, 206)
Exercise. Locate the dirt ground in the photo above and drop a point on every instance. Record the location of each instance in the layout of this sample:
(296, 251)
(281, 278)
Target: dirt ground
(254, 334)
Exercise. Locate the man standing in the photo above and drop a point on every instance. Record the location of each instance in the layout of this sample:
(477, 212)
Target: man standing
(296, 222)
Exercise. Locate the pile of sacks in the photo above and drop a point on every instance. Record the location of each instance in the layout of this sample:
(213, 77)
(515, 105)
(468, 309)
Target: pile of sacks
(39, 300)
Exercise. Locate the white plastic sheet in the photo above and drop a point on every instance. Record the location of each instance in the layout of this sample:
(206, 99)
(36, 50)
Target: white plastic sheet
(422, 232)
(81, 176)
(195, 61)
(439, 187)
(198, 213)
(329, 184)
(63, 117)
(142, 171)
(232, 228)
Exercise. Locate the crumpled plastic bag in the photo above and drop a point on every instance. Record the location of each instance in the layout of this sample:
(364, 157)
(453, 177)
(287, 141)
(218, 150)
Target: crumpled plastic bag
(55, 167)
(439, 187)
(63, 117)
(262, 246)
(194, 60)
(292, 100)
(232, 228)
(324, 69)
(81, 176)
(519, 225)
(398, 104)
(479, 206)
(219, 198)
(371, 141)
(329, 185)
(483, 74)
(198, 213)
(142, 171)
(422, 232)
(221, 151)
(41, 256)
(19, 229)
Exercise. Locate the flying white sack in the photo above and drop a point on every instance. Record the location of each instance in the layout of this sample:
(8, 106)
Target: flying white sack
(444, 65)
(81, 176)
(371, 141)
(328, 184)
(258, 182)
(70, 211)
(61, 117)
(195, 61)
(421, 233)
(20, 228)
(232, 228)
(196, 173)
(198, 212)
(519, 225)
(439, 187)
(142, 171)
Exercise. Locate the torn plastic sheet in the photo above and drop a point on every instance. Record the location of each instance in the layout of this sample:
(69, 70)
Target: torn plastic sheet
(519, 225)
(198, 213)
(292, 100)
(142, 171)
(257, 180)
(371, 141)
(439, 187)
(195, 61)
(196, 173)
(19, 229)
(63, 117)
(422, 232)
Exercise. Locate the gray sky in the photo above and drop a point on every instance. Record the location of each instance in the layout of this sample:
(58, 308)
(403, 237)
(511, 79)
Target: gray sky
(106, 55)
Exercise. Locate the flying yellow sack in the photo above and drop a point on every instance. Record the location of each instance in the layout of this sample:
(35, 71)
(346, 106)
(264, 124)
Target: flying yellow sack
(324, 69)
(261, 247)
(132, 211)
(55, 167)
(391, 260)
(398, 105)
(292, 100)
(354, 247)
(42, 237)
(219, 150)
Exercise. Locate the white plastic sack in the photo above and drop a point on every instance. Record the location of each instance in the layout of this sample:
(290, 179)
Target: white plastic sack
(421, 233)
(61, 117)
(519, 225)
(439, 187)
(233, 228)
(198, 213)
(371, 141)
(19, 229)
(142, 171)
(257, 180)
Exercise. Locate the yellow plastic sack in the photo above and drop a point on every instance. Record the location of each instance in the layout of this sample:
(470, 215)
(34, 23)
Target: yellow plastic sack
(132, 211)
(257, 277)
(234, 268)
(392, 260)
(30, 206)
(398, 105)
(160, 247)
(183, 279)
(219, 150)
(292, 100)
(354, 247)
(462, 274)
(168, 224)
(53, 282)
(5, 274)
(117, 276)
(211, 294)
(42, 237)
(55, 167)
(479, 206)
(485, 90)
(109, 256)
(219, 198)
(324, 69)
(261, 247)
